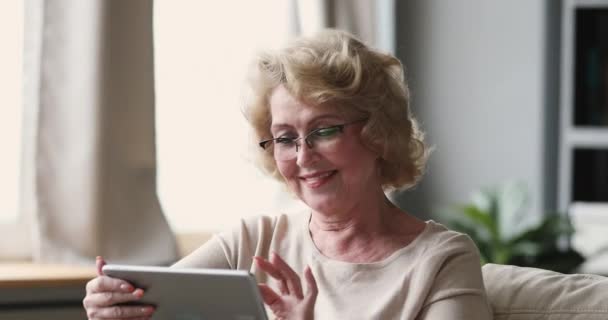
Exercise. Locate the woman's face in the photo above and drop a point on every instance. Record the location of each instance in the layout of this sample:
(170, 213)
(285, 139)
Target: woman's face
(326, 179)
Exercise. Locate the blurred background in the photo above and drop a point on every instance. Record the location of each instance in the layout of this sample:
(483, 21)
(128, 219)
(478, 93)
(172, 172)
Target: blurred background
(121, 122)
(121, 130)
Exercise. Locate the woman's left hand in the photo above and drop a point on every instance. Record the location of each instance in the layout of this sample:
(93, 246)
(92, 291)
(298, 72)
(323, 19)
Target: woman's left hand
(291, 303)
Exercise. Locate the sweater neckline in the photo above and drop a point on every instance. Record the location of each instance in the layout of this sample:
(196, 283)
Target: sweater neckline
(319, 256)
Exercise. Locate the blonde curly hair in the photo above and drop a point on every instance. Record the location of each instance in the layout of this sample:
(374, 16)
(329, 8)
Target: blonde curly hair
(333, 69)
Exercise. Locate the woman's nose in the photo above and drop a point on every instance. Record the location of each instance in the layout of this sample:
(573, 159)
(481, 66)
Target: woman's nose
(306, 154)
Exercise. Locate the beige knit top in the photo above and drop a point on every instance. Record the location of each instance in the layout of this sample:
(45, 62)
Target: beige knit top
(436, 276)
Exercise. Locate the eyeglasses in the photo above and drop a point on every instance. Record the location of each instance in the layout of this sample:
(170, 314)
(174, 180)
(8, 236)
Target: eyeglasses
(322, 139)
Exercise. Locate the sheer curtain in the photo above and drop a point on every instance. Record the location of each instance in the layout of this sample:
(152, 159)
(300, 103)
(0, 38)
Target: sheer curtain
(88, 179)
(89, 168)
(207, 180)
(11, 224)
(373, 21)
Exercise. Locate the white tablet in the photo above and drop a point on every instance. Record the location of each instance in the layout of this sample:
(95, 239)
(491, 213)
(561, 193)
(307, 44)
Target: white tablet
(195, 294)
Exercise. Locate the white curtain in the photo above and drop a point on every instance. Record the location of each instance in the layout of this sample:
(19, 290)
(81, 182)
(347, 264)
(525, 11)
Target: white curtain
(89, 160)
(373, 21)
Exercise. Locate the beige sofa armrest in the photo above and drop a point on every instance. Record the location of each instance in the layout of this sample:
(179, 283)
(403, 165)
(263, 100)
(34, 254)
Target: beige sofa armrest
(518, 293)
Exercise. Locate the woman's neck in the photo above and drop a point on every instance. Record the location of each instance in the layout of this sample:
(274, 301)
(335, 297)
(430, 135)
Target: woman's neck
(363, 234)
(360, 219)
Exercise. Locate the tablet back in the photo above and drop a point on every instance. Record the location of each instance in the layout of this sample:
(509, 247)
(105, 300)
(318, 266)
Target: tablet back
(195, 294)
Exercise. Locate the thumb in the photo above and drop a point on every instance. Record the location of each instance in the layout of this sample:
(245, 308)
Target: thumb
(100, 262)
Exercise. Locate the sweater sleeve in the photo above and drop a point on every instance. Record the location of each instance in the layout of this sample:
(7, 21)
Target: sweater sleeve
(458, 290)
(210, 255)
(233, 249)
(462, 307)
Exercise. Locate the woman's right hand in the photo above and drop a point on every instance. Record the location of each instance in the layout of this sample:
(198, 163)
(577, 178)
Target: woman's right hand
(103, 293)
(290, 302)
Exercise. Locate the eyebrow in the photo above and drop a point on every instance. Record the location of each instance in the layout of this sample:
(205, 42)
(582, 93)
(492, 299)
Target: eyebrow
(311, 122)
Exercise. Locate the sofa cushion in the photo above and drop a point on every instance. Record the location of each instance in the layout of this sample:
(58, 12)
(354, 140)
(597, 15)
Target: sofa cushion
(518, 293)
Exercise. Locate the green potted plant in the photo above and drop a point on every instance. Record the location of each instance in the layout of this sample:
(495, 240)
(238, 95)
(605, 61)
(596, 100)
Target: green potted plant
(505, 233)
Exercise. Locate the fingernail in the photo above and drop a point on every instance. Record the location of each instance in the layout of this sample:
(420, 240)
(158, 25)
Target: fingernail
(126, 288)
(147, 310)
(138, 293)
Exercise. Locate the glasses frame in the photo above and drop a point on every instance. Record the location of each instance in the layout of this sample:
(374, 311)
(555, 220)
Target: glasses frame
(267, 143)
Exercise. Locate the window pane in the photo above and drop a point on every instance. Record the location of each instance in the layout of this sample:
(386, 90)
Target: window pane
(11, 35)
(206, 181)
(590, 179)
(591, 68)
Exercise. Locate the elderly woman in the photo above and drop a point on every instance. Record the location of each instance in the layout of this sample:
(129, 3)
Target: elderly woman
(333, 123)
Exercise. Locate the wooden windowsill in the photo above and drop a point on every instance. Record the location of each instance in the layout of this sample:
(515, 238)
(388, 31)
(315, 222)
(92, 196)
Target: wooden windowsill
(32, 275)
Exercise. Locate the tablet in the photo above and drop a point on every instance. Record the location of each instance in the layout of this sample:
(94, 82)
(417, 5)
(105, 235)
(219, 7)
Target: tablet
(195, 294)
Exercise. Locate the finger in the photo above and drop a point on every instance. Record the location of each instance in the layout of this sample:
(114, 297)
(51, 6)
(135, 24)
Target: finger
(293, 279)
(275, 273)
(105, 283)
(109, 298)
(270, 297)
(100, 262)
(311, 283)
(268, 268)
(121, 312)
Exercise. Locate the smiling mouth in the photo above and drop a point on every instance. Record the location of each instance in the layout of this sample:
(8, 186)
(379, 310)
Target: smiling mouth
(317, 180)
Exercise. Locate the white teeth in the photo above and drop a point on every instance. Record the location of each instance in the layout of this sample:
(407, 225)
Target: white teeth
(321, 176)
(317, 180)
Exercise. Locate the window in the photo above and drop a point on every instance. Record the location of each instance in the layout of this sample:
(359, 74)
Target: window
(11, 33)
(202, 49)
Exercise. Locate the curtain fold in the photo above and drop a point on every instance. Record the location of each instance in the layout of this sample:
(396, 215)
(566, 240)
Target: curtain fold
(89, 178)
(373, 21)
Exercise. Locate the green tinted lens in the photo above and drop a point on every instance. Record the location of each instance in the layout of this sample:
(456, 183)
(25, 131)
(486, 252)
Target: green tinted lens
(327, 132)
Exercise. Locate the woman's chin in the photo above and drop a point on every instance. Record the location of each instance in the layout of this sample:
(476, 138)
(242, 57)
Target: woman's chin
(322, 203)
(322, 199)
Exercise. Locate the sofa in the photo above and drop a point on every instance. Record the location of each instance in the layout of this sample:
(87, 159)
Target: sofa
(518, 293)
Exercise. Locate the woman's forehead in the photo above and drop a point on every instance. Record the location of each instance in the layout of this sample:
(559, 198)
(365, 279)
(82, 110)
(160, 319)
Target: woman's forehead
(304, 121)
(285, 109)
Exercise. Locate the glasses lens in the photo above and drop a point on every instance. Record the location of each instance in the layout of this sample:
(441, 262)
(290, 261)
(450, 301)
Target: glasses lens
(324, 139)
(321, 140)
(284, 149)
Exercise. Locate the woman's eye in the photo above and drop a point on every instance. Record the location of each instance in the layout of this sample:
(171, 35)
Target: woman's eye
(327, 132)
(284, 140)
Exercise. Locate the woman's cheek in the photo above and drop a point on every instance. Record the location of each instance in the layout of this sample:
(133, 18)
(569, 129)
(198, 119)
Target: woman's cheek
(289, 173)
(286, 170)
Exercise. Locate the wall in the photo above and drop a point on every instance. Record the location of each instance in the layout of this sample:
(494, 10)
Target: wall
(483, 76)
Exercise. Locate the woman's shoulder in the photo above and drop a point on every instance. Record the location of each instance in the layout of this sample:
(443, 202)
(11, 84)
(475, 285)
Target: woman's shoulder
(440, 250)
(256, 228)
(251, 236)
(437, 238)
